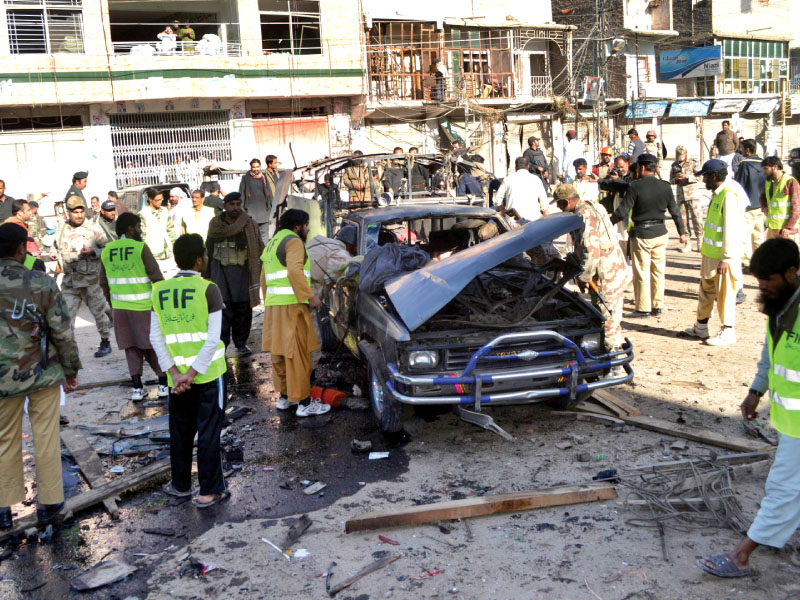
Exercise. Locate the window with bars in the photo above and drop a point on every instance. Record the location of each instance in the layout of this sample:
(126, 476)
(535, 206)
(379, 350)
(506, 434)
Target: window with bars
(750, 67)
(44, 26)
(291, 26)
(480, 61)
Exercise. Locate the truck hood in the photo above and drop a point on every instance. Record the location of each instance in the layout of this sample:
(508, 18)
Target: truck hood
(419, 295)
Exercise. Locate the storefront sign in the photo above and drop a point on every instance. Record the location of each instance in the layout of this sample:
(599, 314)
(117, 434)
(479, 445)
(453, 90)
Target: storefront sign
(646, 110)
(729, 106)
(763, 105)
(689, 108)
(691, 62)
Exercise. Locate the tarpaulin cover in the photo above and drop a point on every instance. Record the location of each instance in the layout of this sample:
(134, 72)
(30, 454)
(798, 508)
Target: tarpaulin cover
(387, 261)
(419, 295)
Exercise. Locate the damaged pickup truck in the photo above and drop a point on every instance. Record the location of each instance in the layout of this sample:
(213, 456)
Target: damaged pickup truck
(481, 324)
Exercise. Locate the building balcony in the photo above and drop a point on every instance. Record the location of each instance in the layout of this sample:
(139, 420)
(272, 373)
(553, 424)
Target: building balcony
(211, 39)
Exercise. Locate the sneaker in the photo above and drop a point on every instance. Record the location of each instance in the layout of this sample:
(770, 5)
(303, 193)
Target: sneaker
(312, 409)
(698, 330)
(104, 349)
(137, 395)
(283, 403)
(163, 391)
(686, 248)
(725, 337)
(741, 297)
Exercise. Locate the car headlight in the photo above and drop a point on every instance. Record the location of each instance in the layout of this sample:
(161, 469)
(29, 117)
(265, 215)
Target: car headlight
(591, 342)
(423, 359)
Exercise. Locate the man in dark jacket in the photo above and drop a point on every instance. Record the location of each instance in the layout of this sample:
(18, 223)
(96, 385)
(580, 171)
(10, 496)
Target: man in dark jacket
(257, 199)
(79, 182)
(647, 199)
(537, 162)
(751, 177)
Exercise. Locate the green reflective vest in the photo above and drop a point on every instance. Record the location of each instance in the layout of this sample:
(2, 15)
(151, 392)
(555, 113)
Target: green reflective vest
(128, 281)
(279, 289)
(779, 205)
(784, 381)
(182, 310)
(713, 232)
(30, 260)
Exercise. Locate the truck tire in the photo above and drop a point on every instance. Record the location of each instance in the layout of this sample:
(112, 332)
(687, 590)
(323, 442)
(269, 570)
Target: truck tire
(385, 407)
(327, 340)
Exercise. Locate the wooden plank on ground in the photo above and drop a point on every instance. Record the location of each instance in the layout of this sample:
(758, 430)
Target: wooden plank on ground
(595, 408)
(91, 467)
(481, 506)
(698, 435)
(98, 494)
(618, 406)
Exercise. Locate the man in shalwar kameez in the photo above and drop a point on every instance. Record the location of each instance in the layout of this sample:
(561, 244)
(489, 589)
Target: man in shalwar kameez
(288, 333)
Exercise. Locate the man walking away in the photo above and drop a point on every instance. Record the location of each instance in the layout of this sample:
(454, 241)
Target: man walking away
(198, 217)
(33, 370)
(78, 243)
(185, 333)
(721, 266)
(750, 175)
(288, 333)
(257, 199)
(775, 264)
(726, 144)
(780, 200)
(603, 262)
(647, 199)
(129, 271)
(214, 198)
(234, 248)
(635, 147)
(573, 150)
(682, 177)
(522, 194)
(537, 162)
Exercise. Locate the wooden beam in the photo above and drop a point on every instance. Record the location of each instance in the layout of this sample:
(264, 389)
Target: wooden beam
(91, 467)
(480, 506)
(614, 404)
(698, 435)
(97, 495)
(370, 568)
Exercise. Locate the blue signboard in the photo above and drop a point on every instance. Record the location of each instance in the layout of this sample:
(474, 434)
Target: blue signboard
(691, 62)
(689, 108)
(646, 110)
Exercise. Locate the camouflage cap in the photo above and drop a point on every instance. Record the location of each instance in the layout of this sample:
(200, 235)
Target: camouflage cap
(680, 151)
(74, 202)
(564, 191)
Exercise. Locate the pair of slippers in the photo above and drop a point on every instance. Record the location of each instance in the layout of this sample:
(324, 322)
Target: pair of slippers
(722, 565)
(170, 490)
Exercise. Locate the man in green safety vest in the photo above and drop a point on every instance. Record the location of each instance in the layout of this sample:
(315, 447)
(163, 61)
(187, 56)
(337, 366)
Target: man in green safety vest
(721, 250)
(780, 200)
(185, 332)
(775, 264)
(128, 272)
(288, 333)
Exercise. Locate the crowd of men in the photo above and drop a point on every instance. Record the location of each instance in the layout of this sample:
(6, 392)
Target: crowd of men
(179, 281)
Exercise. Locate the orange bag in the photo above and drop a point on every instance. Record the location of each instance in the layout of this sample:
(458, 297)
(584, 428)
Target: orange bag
(328, 396)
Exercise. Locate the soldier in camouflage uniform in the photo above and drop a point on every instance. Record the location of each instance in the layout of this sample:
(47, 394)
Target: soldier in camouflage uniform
(38, 353)
(651, 146)
(36, 227)
(78, 243)
(682, 177)
(603, 262)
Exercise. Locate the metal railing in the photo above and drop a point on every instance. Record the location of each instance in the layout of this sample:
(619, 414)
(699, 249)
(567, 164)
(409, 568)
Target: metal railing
(159, 39)
(541, 86)
(415, 86)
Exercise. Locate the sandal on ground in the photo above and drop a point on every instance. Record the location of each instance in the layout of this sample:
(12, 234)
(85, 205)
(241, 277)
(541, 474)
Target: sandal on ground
(170, 490)
(220, 497)
(724, 566)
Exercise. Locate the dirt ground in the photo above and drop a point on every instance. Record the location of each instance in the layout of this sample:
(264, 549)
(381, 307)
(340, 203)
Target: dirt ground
(595, 550)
